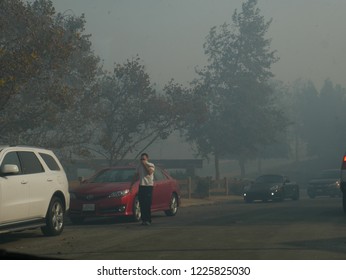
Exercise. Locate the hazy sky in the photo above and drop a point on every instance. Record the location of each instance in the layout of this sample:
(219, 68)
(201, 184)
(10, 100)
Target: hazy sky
(168, 35)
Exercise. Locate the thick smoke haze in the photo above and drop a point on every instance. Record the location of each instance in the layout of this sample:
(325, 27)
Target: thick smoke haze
(168, 35)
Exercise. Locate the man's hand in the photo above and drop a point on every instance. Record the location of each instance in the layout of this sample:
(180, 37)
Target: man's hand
(147, 167)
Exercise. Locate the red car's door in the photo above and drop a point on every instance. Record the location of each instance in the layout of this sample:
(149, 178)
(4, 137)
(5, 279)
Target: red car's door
(162, 191)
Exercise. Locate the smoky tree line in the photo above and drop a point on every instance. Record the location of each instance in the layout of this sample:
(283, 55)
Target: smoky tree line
(318, 120)
(54, 93)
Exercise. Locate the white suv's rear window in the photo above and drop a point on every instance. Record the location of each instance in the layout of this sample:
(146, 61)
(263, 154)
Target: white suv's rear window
(50, 161)
(30, 163)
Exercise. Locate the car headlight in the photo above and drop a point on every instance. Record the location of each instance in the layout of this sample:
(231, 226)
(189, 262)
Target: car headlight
(118, 194)
(334, 185)
(275, 188)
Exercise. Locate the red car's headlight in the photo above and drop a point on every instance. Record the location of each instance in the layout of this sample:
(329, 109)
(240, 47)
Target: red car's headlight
(118, 194)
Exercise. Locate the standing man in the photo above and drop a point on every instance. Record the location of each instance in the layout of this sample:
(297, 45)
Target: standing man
(145, 173)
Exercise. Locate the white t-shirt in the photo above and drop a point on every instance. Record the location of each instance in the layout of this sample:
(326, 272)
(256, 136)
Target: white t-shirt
(144, 178)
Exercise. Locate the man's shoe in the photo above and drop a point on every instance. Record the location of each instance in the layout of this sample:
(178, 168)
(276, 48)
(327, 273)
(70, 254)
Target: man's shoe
(148, 223)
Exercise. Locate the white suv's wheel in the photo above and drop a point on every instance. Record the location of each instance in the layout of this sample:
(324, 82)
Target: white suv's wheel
(54, 218)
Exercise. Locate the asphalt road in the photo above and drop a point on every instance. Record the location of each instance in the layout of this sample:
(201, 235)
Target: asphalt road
(306, 229)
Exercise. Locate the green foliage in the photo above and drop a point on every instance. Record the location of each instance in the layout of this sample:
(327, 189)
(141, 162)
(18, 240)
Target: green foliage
(45, 100)
(124, 110)
(130, 114)
(59, 98)
(185, 107)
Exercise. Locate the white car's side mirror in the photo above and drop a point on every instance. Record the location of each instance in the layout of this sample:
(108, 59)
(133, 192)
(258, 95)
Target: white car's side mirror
(10, 169)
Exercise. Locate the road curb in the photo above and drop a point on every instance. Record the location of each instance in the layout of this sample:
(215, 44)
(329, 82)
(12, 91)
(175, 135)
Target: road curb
(186, 202)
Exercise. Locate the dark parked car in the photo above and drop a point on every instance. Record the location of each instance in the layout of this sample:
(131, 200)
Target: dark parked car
(108, 193)
(271, 187)
(326, 184)
(343, 182)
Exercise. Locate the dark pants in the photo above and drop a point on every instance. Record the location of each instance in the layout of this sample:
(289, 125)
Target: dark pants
(145, 197)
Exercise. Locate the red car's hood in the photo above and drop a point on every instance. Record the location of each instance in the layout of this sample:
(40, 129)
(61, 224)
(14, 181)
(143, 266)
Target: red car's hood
(100, 188)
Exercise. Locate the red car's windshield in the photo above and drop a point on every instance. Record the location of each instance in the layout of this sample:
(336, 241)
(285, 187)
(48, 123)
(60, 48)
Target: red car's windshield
(114, 176)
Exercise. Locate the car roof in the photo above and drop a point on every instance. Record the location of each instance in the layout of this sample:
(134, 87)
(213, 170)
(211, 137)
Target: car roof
(32, 148)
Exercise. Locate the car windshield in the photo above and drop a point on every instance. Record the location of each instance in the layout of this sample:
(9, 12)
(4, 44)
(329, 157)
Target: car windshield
(269, 179)
(330, 174)
(114, 176)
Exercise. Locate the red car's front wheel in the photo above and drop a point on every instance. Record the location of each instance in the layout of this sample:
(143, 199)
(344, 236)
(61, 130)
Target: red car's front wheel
(136, 210)
(173, 206)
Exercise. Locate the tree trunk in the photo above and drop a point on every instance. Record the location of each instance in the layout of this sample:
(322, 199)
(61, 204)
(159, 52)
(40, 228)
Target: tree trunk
(242, 167)
(111, 161)
(296, 147)
(259, 162)
(217, 166)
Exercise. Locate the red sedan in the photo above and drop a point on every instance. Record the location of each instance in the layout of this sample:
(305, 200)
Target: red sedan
(108, 193)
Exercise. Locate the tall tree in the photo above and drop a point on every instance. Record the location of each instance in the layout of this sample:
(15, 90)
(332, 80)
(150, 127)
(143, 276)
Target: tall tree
(44, 101)
(243, 114)
(131, 115)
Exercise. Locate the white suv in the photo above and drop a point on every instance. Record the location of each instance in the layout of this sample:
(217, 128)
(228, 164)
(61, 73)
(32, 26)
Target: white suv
(33, 190)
